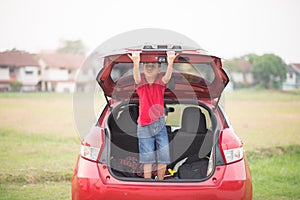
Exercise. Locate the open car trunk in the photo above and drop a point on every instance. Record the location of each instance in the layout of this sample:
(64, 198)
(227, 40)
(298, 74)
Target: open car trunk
(191, 132)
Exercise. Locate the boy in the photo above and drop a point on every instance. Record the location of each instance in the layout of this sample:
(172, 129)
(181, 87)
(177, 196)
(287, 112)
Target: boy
(151, 130)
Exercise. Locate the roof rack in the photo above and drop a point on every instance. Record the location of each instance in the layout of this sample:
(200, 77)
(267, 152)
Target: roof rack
(149, 47)
(165, 47)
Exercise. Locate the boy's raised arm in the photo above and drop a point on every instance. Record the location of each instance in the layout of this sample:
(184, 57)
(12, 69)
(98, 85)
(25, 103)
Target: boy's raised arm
(135, 57)
(170, 57)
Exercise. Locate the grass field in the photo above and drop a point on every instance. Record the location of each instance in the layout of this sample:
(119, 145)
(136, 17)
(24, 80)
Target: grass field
(264, 119)
(38, 146)
(39, 143)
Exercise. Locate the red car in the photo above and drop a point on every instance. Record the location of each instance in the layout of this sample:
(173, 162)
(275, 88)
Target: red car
(207, 157)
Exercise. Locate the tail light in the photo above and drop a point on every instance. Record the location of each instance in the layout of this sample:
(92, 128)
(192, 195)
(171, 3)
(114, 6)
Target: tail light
(232, 155)
(90, 153)
(231, 146)
(92, 144)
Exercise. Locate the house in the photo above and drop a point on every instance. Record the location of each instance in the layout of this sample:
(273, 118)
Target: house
(18, 68)
(239, 71)
(58, 71)
(292, 78)
(51, 72)
(85, 79)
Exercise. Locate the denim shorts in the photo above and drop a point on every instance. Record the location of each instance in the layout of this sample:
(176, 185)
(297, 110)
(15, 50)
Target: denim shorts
(154, 142)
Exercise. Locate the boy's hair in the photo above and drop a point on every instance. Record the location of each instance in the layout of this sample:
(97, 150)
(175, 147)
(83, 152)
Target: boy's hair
(158, 63)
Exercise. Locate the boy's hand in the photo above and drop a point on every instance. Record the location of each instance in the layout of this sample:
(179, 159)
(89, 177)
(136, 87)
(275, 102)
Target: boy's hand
(135, 57)
(171, 56)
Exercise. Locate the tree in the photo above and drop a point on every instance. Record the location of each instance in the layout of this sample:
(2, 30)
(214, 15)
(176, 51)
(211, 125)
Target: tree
(250, 57)
(16, 86)
(72, 47)
(268, 70)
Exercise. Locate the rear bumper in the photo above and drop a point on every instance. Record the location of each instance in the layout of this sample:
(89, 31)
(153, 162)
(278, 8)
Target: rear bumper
(228, 182)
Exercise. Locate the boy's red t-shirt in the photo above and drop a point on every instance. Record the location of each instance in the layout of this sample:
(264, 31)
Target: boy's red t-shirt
(151, 98)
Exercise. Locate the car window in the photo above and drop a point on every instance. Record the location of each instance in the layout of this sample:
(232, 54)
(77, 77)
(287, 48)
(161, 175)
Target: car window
(202, 70)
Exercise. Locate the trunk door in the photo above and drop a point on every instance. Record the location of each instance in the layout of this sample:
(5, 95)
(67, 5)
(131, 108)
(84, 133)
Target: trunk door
(195, 75)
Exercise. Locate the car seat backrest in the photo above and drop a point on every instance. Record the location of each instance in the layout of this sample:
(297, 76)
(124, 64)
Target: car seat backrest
(123, 127)
(193, 121)
(188, 139)
(126, 122)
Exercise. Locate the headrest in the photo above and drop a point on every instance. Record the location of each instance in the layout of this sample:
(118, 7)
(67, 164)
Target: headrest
(193, 120)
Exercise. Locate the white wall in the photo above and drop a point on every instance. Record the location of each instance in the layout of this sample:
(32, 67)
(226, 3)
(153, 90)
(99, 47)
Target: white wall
(291, 78)
(28, 75)
(55, 74)
(237, 77)
(65, 87)
(249, 78)
(4, 73)
(290, 82)
(83, 76)
(72, 74)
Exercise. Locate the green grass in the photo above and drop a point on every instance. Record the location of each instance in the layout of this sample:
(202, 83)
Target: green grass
(275, 173)
(35, 158)
(36, 166)
(39, 144)
(42, 191)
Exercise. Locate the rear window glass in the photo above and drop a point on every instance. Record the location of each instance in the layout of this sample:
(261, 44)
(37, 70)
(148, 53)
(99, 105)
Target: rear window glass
(121, 69)
(202, 70)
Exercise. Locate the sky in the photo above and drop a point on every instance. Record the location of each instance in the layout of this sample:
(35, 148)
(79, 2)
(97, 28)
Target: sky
(226, 28)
